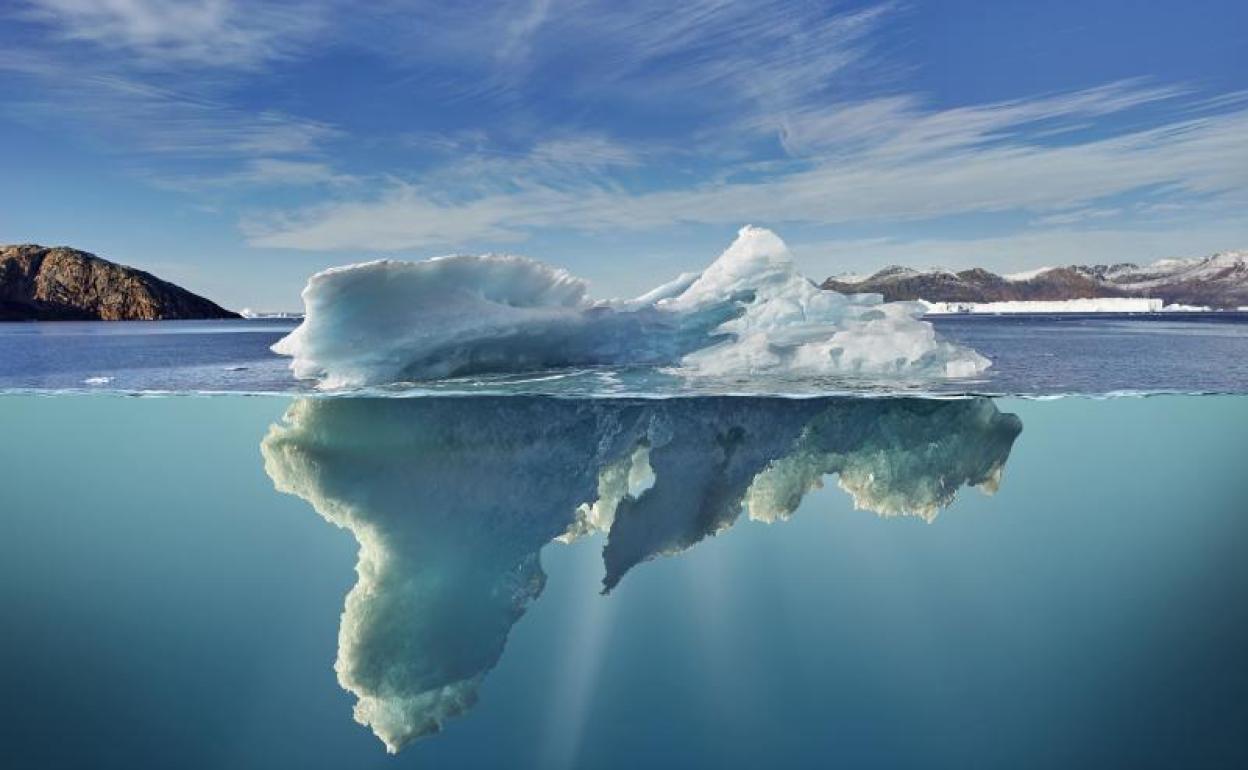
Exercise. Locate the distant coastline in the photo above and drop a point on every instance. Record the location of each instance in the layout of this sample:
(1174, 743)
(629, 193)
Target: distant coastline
(271, 315)
(1120, 305)
(1215, 282)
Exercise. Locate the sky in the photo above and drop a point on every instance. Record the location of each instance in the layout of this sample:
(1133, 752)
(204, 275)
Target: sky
(236, 146)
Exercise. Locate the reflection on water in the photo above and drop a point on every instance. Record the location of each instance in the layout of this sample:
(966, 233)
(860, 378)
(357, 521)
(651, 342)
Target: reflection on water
(452, 499)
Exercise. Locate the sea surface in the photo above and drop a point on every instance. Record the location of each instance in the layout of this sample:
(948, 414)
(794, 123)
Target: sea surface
(485, 577)
(1090, 354)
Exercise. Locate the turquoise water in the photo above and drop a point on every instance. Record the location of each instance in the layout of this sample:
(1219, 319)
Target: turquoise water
(174, 582)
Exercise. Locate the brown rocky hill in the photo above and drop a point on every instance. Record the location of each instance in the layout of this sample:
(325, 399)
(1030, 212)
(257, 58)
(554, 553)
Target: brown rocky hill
(975, 285)
(38, 283)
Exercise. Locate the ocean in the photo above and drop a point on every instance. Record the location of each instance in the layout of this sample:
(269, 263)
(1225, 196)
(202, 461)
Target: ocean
(1091, 354)
(207, 565)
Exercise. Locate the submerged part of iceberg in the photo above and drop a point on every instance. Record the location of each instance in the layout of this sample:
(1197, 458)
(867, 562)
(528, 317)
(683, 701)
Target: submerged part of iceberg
(452, 499)
(749, 313)
(706, 461)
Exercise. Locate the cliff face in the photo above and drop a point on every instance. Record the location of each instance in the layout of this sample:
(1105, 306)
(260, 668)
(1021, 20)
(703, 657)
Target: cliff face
(62, 284)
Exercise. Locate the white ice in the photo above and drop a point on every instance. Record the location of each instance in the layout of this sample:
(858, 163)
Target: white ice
(749, 313)
(1085, 305)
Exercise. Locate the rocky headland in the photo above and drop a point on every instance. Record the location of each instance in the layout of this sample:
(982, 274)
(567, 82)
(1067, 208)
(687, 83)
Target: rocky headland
(39, 283)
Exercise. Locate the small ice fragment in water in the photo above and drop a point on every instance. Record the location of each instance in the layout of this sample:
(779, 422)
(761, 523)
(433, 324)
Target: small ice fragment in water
(97, 380)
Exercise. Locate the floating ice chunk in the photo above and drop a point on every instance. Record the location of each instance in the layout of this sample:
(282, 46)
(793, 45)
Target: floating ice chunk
(97, 380)
(749, 313)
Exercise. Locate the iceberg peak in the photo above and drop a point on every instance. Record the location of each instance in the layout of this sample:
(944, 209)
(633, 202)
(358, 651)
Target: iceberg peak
(757, 256)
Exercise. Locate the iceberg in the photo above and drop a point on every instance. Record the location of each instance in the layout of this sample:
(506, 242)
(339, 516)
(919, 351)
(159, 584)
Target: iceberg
(750, 313)
(451, 501)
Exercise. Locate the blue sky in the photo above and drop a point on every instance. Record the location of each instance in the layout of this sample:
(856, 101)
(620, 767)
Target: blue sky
(235, 147)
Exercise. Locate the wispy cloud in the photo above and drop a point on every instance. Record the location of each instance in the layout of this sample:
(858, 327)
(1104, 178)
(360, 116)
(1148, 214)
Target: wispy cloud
(900, 127)
(165, 131)
(153, 119)
(403, 218)
(471, 165)
(707, 64)
(518, 33)
(943, 163)
(215, 33)
(1077, 216)
(154, 81)
(1139, 242)
(774, 54)
(262, 173)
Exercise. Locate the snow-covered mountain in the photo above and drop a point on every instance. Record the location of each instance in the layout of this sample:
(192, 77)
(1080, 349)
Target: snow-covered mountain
(1217, 281)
